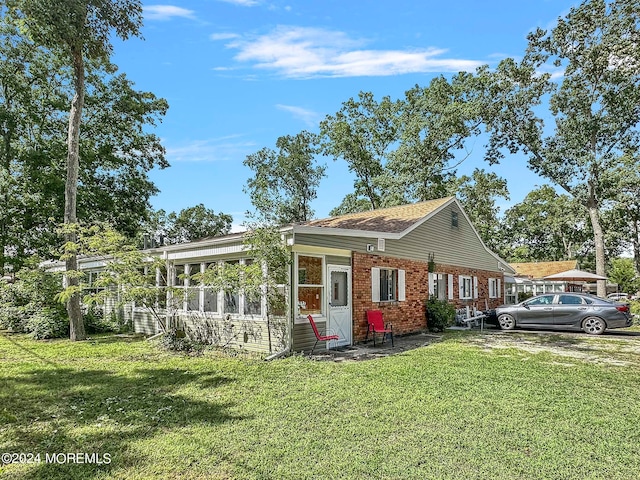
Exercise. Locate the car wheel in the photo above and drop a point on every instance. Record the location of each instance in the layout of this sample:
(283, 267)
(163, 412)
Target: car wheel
(506, 322)
(594, 325)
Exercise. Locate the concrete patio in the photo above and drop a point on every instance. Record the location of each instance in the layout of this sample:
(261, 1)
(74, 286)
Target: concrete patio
(366, 351)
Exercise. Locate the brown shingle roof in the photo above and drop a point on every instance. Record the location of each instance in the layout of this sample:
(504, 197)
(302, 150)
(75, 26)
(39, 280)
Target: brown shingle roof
(388, 220)
(543, 269)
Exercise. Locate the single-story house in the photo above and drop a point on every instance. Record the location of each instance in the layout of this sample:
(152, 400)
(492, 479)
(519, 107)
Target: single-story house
(529, 279)
(390, 259)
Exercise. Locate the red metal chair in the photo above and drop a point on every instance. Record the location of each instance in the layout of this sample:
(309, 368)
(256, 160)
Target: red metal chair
(320, 338)
(376, 324)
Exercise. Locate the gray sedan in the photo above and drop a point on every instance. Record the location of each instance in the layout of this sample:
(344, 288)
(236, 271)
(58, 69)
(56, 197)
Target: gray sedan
(565, 311)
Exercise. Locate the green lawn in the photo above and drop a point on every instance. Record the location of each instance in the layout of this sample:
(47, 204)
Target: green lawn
(470, 406)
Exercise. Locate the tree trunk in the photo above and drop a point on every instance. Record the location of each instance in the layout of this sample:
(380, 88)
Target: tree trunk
(598, 237)
(76, 323)
(636, 247)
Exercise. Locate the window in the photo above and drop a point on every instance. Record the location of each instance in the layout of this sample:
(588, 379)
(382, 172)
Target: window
(570, 300)
(543, 300)
(252, 301)
(210, 301)
(339, 289)
(494, 288)
(231, 298)
(161, 282)
(193, 289)
(310, 285)
(454, 219)
(466, 287)
(387, 285)
(439, 284)
(178, 275)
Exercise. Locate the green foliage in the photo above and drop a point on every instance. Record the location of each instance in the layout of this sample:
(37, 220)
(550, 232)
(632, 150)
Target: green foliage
(117, 148)
(84, 25)
(478, 195)
(361, 134)
(593, 104)
(622, 271)
(265, 275)
(30, 304)
(434, 125)
(96, 321)
(193, 223)
(128, 271)
(47, 322)
(407, 150)
(285, 182)
(546, 226)
(174, 342)
(440, 314)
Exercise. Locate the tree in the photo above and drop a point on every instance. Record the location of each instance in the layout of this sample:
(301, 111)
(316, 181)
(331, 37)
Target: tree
(285, 182)
(478, 194)
(545, 226)
(622, 272)
(595, 105)
(195, 223)
(129, 275)
(116, 156)
(29, 87)
(434, 123)
(624, 216)
(362, 133)
(80, 30)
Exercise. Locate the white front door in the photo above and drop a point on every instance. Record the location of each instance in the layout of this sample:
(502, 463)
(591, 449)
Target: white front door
(340, 304)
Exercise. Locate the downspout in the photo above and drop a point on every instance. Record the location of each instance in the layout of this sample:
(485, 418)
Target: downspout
(289, 338)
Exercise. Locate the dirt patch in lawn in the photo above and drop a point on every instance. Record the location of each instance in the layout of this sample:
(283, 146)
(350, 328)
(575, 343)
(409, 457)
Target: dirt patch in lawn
(571, 346)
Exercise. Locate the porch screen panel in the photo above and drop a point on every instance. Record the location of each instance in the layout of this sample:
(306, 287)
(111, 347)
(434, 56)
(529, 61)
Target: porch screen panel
(232, 297)
(252, 300)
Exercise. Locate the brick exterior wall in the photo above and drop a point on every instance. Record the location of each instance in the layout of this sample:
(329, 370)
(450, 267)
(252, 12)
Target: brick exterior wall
(409, 316)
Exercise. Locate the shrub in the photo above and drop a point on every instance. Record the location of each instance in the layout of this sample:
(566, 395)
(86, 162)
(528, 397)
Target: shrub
(95, 321)
(47, 323)
(179, 343)
(440, 314)
(29, 304)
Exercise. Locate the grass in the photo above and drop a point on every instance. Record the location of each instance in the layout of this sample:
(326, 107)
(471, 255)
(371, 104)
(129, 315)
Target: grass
(460, 408)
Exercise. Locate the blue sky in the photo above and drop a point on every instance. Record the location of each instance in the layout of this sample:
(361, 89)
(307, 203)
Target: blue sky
(240, 73)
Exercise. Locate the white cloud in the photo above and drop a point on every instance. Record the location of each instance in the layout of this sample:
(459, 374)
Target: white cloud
(210, 150)
(223, 36)
(309, 117)
(166, 12)
(303, 52)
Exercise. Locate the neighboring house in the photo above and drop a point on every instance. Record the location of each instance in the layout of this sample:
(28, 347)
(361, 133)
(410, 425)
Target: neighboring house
(529, 279)
(390, 259)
